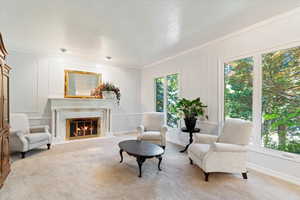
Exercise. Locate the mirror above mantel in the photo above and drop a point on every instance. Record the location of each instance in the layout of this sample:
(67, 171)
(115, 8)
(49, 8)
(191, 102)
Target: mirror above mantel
(79, 84)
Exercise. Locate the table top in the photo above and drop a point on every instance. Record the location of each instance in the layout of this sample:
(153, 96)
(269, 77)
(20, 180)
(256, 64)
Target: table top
(141, 148)
(196, 130)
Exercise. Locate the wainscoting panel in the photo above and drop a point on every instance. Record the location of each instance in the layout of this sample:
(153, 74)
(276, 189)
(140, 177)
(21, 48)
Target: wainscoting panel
(23, 83)
(122, 123)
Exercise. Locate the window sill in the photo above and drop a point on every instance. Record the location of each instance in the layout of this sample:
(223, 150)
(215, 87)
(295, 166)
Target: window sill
(274, 153)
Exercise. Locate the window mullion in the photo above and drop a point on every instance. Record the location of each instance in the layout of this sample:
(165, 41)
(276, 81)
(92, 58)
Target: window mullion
(257, 102)
(165, 98)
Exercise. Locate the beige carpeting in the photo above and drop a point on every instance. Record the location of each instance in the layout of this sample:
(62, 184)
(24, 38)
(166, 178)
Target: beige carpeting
(90, 170)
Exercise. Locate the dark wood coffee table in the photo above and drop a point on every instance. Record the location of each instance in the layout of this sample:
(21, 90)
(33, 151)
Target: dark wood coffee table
(142, 150)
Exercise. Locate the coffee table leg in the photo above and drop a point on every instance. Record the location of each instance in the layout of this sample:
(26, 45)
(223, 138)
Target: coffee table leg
(140, 160)
(121, 154)
(159, 161)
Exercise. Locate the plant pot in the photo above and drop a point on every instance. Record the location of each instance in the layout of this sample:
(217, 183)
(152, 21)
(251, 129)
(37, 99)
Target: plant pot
(108, 95)
(190, 123)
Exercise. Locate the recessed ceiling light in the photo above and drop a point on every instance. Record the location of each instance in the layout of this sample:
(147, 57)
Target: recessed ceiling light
(63, 50)
(108, 58)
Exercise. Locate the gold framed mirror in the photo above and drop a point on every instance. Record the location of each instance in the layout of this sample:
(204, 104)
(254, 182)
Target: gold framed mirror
(79, 84)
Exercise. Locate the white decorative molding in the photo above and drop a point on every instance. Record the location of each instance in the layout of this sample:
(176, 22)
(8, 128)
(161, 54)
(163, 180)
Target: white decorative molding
(66, 108)
(226, 37)
(273, 173)
(176, 136)
(125, 121)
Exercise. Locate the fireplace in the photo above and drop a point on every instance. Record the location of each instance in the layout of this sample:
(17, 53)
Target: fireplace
(78, 128)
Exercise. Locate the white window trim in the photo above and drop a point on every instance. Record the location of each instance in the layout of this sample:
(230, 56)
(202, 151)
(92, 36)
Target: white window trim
(257, 107)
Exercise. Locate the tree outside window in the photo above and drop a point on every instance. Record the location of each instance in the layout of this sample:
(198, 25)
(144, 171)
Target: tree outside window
(164, 102)
(281, 100)
(159, 94)
(238, 88)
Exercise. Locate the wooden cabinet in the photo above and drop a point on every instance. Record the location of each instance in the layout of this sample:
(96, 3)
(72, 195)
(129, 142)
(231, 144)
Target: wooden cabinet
(4, 115)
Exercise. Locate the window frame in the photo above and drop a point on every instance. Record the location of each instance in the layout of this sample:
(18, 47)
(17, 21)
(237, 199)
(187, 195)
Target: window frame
(154, 89)
(164, 76)
(256, 98)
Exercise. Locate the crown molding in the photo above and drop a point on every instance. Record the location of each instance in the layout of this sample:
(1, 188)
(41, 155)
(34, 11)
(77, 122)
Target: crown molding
(228, 36)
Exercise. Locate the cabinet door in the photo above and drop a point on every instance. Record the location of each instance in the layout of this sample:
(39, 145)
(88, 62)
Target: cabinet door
(5, 153)
(5, 100)
(1, 98)
(1, 157)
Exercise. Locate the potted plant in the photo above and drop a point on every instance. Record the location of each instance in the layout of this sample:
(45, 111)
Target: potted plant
(107, 91)
(110, 91)
(190, 110)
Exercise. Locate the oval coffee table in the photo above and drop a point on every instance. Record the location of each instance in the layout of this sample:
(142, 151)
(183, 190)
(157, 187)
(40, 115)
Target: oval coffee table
(142, 150)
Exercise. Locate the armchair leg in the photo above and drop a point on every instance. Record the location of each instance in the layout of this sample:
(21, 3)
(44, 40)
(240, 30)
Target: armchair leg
(206, 176)
(191, 161)
(48, 146)
(23, 154)
(245, 175)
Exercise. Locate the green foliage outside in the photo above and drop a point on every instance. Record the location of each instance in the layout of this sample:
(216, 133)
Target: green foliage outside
(159, 96)
(281, 100)
(238, 89)
(172, 99)
(280, 97)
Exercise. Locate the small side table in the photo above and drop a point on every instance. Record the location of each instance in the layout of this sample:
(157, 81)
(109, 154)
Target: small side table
(196, 130)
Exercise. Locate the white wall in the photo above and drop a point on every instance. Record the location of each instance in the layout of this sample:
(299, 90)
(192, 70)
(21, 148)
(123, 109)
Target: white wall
(36, 77)
(199, 68)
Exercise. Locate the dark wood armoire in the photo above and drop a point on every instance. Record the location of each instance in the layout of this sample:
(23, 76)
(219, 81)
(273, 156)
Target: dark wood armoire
(4, 115)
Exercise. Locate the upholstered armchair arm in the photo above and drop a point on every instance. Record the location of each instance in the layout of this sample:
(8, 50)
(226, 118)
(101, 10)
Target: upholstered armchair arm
(205, 138)
(224, 147)
(140, 129)
(163, 132)
(18, 141)
(39, 129)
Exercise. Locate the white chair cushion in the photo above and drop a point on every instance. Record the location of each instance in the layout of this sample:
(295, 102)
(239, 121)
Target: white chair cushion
(151, 135)
(236, 131)
(36, 137)
(19, 122)
(199, 150)
(153, 121)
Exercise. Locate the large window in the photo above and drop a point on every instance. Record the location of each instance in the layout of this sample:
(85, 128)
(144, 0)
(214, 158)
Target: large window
(238, 88)
(159, 94)
(165, 98)
(272, 102)
(281, 100)
(172, 98)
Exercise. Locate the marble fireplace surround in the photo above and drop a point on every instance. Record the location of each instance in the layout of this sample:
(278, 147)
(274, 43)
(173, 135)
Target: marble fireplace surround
(68, 108)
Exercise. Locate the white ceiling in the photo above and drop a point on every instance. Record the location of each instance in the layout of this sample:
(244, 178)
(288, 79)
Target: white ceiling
(134, 33)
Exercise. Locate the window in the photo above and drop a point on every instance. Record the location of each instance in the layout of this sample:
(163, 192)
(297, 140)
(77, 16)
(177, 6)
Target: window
(281, 100)
(164, 99)
(238, 88)
(172, 98)
(159, 94)
(272, 103)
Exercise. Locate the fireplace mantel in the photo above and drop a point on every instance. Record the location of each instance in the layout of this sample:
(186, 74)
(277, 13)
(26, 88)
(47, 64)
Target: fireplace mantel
(79, 107)
(73, 103)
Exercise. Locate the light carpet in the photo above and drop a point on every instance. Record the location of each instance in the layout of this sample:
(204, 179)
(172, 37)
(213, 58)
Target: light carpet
(90, 170)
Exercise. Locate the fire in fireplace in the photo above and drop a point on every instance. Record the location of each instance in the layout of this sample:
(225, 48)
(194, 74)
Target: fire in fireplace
(82, 128)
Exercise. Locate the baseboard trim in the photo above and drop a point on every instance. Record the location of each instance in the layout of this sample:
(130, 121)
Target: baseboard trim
(119, 133)
(274, 173)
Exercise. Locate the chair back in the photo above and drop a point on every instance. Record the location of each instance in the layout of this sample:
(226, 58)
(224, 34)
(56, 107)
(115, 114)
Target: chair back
(19, 122)
(153, 121)
(236, 131)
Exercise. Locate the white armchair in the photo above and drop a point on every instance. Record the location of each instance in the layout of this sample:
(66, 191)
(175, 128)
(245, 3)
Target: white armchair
(24, 138)
(153, 129)
(226, 153)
